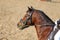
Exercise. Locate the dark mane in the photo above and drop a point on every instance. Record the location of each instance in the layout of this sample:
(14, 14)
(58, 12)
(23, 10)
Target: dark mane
(43, 14)
(46, 17)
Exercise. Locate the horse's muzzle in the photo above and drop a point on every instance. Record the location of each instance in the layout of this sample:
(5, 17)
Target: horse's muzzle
(22, 26)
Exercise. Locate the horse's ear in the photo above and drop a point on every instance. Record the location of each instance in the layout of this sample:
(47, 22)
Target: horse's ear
(32, 7)
(29, 8)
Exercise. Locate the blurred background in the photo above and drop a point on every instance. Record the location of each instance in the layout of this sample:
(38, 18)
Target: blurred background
(12, 10)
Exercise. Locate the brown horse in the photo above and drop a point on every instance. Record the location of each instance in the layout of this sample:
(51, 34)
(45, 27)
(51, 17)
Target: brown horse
(43, 24)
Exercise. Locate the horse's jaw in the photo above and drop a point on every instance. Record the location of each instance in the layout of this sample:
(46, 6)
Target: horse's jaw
(23, 27)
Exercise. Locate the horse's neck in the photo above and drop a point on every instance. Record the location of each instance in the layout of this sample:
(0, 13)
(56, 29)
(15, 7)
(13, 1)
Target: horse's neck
(40, 21)
(43, 32)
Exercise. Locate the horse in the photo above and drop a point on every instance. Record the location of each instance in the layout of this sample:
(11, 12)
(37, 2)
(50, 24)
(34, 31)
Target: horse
(43, 24)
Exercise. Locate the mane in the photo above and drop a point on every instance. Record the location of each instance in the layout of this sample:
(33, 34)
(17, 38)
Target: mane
(43, 14)
(46, 17)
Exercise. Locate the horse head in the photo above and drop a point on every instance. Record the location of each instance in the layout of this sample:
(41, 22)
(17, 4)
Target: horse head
(27, 19)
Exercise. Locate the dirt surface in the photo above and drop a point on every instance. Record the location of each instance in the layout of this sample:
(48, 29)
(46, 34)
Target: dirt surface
(12, 10)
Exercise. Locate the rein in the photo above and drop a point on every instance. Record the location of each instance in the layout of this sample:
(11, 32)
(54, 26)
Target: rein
(46, 25)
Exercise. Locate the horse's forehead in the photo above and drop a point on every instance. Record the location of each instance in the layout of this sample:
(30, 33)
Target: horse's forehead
(25, 16)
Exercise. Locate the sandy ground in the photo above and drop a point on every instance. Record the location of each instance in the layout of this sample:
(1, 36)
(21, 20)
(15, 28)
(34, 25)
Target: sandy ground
(12, 10)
